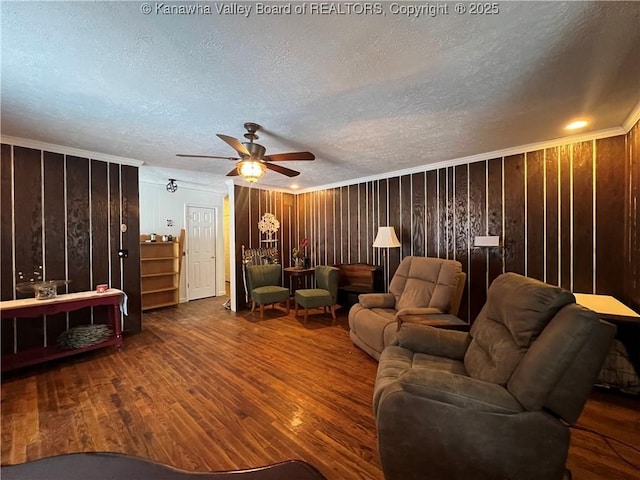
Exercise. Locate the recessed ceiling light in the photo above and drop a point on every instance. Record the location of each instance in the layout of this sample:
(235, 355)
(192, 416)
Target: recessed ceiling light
(294, 186)
(577, 124)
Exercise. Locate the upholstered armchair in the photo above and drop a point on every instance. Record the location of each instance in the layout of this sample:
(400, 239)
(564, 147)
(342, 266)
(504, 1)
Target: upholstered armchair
(264, 286)
(422, 289)
(324, 295)
(493, 403)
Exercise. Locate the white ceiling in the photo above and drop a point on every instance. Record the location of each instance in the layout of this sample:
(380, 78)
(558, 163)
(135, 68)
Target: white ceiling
(367, 94)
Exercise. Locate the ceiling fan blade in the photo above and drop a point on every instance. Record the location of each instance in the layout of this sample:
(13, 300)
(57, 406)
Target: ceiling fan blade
(284, 171)
(233, 173)
(206, 156)
(293, 156)
(235, 144)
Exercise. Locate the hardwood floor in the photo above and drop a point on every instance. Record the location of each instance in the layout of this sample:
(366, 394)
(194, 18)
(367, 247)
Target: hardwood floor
(202, 389)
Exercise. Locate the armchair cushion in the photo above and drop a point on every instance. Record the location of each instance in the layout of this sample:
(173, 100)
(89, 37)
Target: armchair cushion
(517, 310)
(434, 341)
(269, 294)
(459, 390)
(425, 282)
(377, 300)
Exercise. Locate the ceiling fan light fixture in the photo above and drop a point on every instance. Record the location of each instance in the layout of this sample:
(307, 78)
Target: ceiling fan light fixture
(251, 170)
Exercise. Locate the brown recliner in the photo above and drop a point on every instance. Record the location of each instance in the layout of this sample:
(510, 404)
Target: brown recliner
(493, 403)
(421, 289)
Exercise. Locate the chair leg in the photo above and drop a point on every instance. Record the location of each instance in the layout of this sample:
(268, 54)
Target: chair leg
(262, 310)
(296, 308)
(287, 303)
(333, 313)
(253, 306)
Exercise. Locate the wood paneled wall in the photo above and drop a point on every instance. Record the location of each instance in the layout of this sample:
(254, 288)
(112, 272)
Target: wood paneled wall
(566, 215)
(250, 204)
(64, 213)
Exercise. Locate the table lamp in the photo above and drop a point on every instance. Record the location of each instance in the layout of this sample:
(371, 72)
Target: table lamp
(386, 238)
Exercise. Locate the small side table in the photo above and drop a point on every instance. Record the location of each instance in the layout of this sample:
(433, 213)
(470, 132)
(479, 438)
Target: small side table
(608, 308)
(620, 370)
(299, 278)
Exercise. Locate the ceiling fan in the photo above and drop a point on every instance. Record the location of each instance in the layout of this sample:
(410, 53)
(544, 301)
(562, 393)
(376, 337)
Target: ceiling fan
(253, 163)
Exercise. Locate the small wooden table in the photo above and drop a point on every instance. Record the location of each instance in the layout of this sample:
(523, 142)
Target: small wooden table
(619, 373)
(31, 308)
(299, 278)
(607, 307)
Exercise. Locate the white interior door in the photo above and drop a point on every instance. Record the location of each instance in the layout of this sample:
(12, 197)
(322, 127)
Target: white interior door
(201, 252)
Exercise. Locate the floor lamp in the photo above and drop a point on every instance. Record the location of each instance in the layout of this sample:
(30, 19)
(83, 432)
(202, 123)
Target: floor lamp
(386, 238)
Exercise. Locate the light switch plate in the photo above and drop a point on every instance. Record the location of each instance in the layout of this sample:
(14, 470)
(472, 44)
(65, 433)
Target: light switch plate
(487, 241)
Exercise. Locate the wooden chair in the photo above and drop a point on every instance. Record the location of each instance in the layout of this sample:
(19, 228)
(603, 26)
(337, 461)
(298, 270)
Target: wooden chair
(324, 295)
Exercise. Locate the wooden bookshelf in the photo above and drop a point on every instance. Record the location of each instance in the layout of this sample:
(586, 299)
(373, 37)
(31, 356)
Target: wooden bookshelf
(159, 272)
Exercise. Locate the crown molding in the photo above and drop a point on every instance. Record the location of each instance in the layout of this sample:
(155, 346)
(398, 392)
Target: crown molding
(531, 147)
(632, 119)
(76, 152)
(262, 186)
(185, 185)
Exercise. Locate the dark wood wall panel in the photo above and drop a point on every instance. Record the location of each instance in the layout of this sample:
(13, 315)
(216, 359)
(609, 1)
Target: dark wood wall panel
(495, 256)
(383, 194)
(552, 216)
(418, 214)
(99, 232)
(114, 224)
(7, 277)
(337, 225)
(131, 241)
(514, 208)
(393, 216)
(477, 291)
(78, 233)
(632, 222)
(67, 222)
(28, 211)
(28, 234)
(6, 222)
(443, 233)
(535, 215)
(363, 230)
(462, 211)
(321, 235)
(583, 277)
(609, 216)
(405, 209)
(353, 232)
(433, 219)
(55, 235)
(241, 225)
(450, 215)
(566, 248)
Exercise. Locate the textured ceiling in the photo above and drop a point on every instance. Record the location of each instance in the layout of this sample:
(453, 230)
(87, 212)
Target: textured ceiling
(368, 94)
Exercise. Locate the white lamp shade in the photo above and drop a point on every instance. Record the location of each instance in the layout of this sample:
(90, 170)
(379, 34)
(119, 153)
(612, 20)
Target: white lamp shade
(386, 238)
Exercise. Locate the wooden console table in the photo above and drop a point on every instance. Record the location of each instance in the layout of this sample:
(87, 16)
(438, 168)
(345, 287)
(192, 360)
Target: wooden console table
(32, 308)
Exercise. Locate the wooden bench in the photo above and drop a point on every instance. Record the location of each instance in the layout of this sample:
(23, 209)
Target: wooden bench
(357, 278)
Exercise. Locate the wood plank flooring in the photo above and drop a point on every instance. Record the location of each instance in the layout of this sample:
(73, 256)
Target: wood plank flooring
(204, 389)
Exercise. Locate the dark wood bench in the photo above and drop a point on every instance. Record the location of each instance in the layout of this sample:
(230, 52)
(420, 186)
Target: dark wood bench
(357, 278)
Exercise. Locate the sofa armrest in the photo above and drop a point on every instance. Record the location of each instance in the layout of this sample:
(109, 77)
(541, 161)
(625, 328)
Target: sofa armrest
(377, 300)
(459, 390)
(419, 311)
(434, 341)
